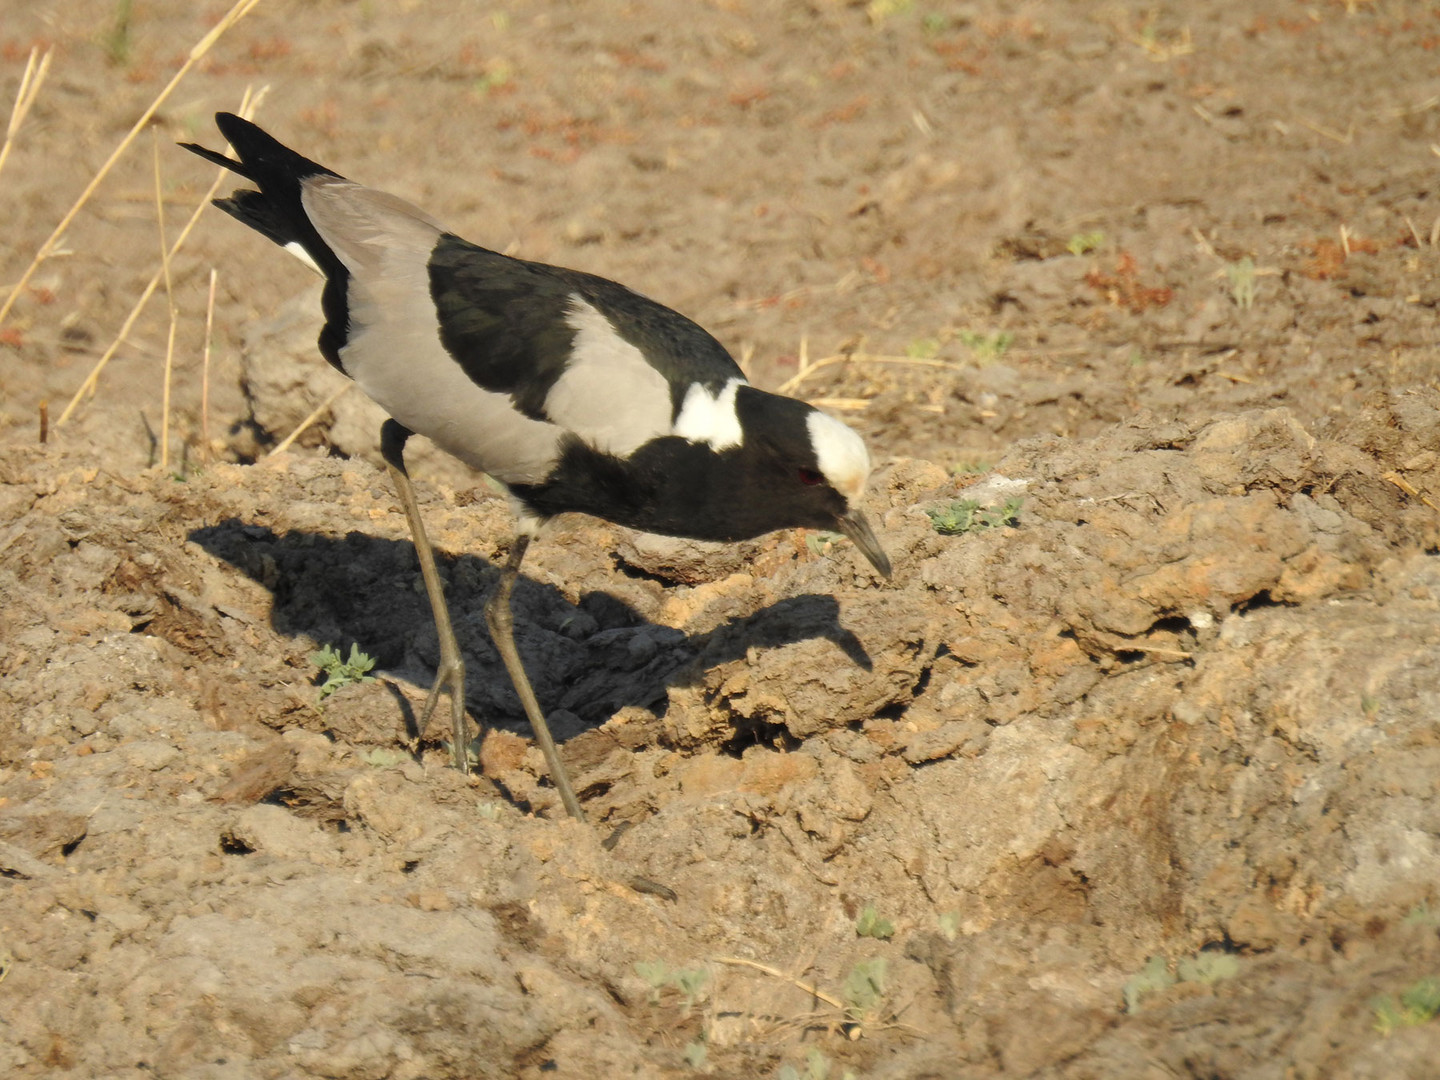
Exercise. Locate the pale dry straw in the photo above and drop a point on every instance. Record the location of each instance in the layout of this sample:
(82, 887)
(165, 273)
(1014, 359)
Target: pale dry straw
(203, 46)
(36, 69)
(248, 105)
(315, 414)
(170, 303)
(205, 370)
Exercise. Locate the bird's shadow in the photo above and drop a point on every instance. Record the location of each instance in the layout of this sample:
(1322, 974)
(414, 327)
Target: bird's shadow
(588, 659)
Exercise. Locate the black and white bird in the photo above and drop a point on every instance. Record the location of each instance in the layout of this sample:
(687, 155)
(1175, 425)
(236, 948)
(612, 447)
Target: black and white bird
(576, 393)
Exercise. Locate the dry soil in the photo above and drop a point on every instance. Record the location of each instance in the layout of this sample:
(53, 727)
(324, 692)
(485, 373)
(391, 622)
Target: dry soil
(1138, 780)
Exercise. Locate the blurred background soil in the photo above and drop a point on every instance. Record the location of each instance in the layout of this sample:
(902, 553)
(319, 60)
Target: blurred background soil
(1132, 774)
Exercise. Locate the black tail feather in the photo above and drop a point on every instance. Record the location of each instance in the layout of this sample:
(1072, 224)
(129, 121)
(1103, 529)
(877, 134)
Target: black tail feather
(217, 158)
(258, 210)
(266, 160)
(275, 211)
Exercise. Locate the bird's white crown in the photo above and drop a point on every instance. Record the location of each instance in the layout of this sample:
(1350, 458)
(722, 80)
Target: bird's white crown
(841, 455)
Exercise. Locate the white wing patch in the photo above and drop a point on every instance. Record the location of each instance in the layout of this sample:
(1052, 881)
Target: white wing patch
(711, 418)
(609, 395)
(841, 454)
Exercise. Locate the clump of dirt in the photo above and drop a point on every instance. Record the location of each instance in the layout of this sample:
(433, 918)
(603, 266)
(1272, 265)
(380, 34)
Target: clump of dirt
(1098, 721)
(1131, 768)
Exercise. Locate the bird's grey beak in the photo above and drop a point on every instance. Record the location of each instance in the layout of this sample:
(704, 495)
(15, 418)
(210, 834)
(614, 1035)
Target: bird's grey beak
(858, 530)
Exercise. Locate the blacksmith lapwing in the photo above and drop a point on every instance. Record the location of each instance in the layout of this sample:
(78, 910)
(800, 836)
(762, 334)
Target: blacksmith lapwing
(574, 392)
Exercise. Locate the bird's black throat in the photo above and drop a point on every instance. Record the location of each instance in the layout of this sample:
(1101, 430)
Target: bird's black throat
(679, 488)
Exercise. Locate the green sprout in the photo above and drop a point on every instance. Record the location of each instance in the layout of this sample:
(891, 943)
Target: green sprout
(382, 757)
(819, 541)
(1084, 243)
(117, 41)
(1418, 1004)
(923, 349)
(987, 348)
(870, 924)
(1155, 975)
(690, 982)
(966, 515)
(970, 467)
(880, 10)
(864, 989)
(1205, 967)
(1241, 276)
(340, 672)
(950, 925)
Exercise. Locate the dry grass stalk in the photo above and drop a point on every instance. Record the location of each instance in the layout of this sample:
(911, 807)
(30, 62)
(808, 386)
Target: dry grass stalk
(248, 106)
(315, 414)
(36, 69)
(205, 371)
(807, 369)
(203, 46)
(170, 302)
(813, 991)
(1408, 488)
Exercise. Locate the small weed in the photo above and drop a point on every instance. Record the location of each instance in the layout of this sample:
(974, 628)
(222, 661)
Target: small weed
(864, 989)
(950, 925)
(656, 974)
(379, 757)
(817, 543)
(695, 1053)
(489, 811)
(1155, 975)
(970, 468)
(1418, 1004)
(987, 348)
(1421, 915)
(1370, 706)
(339, 672)
(1205, 967)
(1241, 276)
(1084, 243)
(923, 349)
(966, 515)
(496, 76)
(870, 924)
(690, 982)
(880, 10)
(116, 41)
(934, 24)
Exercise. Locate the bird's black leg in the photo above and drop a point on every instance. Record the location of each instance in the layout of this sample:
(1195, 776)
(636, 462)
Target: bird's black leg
(451, 671)
(502, 631)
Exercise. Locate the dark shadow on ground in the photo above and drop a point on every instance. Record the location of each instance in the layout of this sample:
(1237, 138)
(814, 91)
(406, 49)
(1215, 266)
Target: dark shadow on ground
(589, 659)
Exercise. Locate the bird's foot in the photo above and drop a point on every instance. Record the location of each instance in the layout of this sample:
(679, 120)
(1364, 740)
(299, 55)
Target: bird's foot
(450, 676)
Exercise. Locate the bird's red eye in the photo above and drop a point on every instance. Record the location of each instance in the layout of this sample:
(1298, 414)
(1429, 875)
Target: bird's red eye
(811, 477)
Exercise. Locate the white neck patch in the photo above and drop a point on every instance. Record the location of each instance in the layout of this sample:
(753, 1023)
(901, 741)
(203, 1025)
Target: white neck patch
(841, 455)
(711, 419)
(295, 248)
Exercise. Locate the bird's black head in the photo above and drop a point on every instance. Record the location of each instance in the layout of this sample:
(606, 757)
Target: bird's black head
(740, 463)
